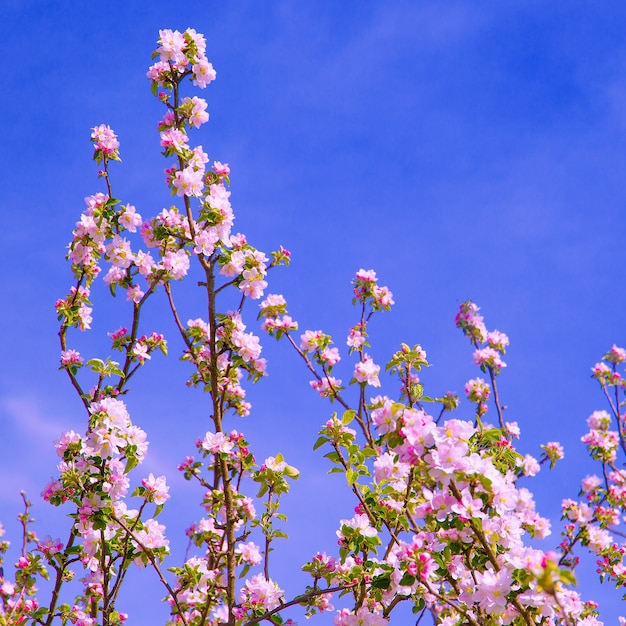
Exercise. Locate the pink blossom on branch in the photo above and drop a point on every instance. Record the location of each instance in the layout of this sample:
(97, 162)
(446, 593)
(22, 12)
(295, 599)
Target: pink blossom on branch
(105, 142)
(367, 371)
(260, 593)
(439, 517)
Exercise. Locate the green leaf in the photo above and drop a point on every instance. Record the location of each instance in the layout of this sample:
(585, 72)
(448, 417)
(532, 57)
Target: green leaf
(351, 477)
(381, 582)
(333, 457)
(348, 416)
(131, 462)
(320, 442)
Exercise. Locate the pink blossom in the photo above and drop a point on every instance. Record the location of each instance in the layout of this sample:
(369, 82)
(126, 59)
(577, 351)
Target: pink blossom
(383, 297)
(203, 73)
(71, 357)
(253, 283)
(7, 588)
(492, 589)
(591, 483)
(512, 429)
(130, 219)
(157, 490)
(221, 169)
(235, 264)
(330, 356)
(119, 252)
(105, 139)
(477, 390)
(367, 372)
(260, 593)
(205, 241)
(384, 418)
(22, 563)
(174, 140)
(356, 338)
(284, 323)
(418, 430)
(84, 317)
(114, 276)
(152, 535)
(273, 464)
(140, 351)
(198, 159)
(217, 443)
(68, 438)
(105, 443)
(554, 450)
(616, 355)
(366, 275)
(488, 357)
(388, 467)
(468, 507)
(176, 264)
(248, 345)
(599, 538)
(471, 322)
(249, 553)
(530, 466)
(601, 370)
(361, 523)
(362, 617)
(135, 294)
(455, 429)
(599, 420)
(310, 340)
(50, 546)
(158, 71)
(497, 340)
(327, 386)
(172, 43)
(189, 182)
(198, 115)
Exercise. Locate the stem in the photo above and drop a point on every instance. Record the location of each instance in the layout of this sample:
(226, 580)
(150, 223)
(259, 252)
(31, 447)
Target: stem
(127, 373)
(58, 582)
(309, 365)
(301, 599)
(496, 398)
(155, 565)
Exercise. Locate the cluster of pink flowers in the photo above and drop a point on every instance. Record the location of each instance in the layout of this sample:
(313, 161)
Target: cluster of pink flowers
(477, 390)
(366, 371)
(440, 520)
(367, 291)
(462, 553)
(177, 51)
(260, 593)
(105, 143)
(597, 521)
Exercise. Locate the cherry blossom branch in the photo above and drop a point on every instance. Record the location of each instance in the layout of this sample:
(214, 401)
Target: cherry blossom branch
(155, 566)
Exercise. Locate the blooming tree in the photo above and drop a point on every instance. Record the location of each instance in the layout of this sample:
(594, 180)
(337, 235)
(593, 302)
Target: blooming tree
(441, 522)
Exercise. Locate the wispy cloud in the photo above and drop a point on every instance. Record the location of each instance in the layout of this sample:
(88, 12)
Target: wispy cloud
(12, 483)
(30, 420)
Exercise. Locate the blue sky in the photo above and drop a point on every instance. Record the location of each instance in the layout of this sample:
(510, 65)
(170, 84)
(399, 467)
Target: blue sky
(462, 150)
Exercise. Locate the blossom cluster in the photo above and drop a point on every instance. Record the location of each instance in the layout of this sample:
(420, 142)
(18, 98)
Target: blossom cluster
(596, 521)
(440, 501)
(440, 519)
